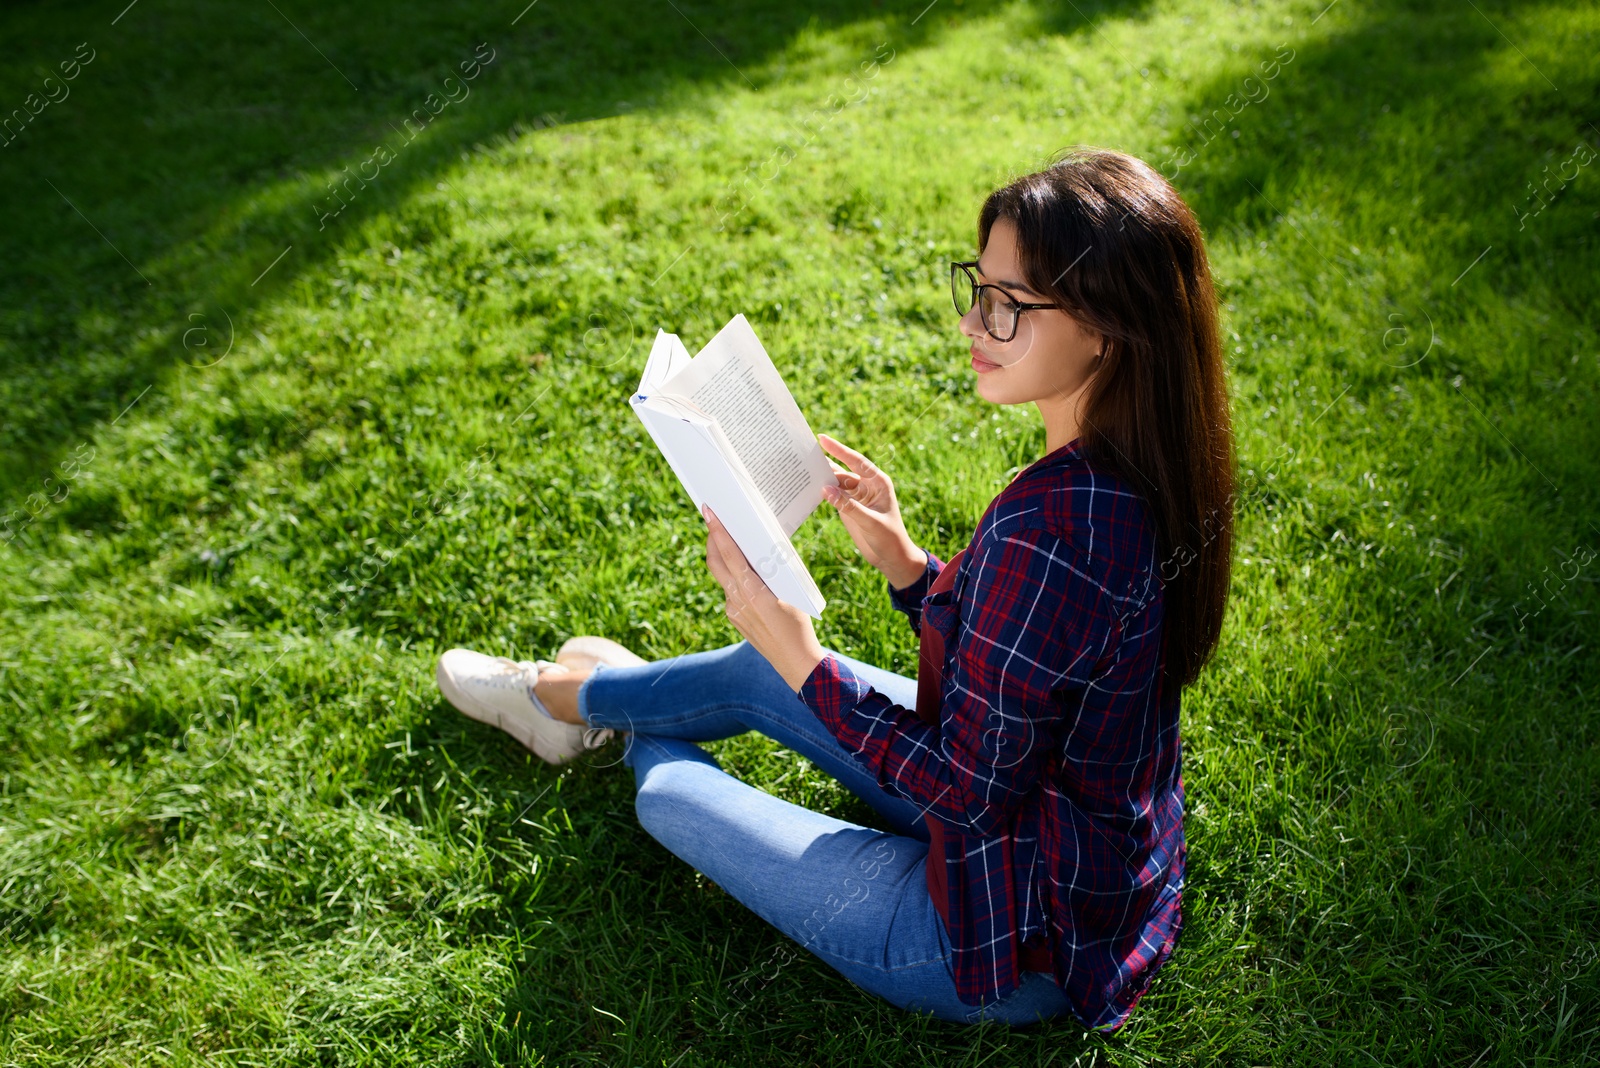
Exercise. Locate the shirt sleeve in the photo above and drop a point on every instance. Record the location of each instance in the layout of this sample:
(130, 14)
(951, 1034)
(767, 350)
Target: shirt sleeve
(909, 600)
(1033, 621)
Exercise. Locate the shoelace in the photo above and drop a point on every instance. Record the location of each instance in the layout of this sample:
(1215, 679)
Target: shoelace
(526, 673)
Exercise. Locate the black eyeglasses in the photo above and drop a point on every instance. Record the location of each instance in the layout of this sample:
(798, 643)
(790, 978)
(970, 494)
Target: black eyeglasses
(999, 310)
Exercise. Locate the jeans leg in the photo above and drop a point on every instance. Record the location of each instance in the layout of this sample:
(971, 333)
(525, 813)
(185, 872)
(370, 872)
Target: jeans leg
(854, 897)
(720, 693)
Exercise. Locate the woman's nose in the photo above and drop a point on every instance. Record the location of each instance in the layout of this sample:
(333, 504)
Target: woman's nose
(970, 324)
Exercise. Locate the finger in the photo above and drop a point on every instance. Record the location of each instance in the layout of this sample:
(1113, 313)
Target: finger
(732, 555)
(714, 562)
(715, 532)
(718, 541)
(858, 463)
(848, 505)
(741, 577)
(865, 519)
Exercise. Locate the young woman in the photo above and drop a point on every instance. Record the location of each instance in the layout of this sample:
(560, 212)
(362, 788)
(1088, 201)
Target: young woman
(1032, 772)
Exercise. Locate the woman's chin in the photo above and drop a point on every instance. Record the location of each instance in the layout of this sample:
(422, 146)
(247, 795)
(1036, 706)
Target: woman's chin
(990, 390)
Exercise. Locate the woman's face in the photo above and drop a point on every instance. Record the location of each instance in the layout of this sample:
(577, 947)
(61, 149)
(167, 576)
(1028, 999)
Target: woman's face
(1049, 359)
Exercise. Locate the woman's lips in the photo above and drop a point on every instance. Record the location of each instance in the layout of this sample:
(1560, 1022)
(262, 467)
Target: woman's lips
(981, 365)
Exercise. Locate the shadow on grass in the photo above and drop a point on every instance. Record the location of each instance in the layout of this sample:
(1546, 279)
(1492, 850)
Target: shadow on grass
(186, 176)
(1449, 117)
(1447, 130)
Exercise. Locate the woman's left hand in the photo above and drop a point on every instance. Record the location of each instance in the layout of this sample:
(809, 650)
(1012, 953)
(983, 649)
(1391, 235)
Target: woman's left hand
(780, 632)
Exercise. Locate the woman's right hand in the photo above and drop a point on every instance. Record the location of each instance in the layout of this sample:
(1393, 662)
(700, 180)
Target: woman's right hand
(865, 501)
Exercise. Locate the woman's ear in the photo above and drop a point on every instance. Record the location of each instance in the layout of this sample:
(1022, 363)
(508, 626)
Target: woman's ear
(1100, 342)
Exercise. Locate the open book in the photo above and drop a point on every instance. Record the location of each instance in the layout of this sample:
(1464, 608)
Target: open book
(735, 438)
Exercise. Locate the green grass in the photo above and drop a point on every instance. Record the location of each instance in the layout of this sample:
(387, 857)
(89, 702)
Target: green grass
(238, 824)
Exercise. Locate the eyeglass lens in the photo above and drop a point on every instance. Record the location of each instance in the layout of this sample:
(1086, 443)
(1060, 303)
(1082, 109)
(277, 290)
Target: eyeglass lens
(999, 314)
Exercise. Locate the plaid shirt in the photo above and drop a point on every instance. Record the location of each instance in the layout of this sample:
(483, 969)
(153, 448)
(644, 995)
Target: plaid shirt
(1056, 739)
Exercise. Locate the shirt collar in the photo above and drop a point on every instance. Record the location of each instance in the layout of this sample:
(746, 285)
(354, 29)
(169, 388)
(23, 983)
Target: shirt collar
(1072, 450)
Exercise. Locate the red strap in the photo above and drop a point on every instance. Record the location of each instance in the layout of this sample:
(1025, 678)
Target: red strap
(930, 654)
(930, 679)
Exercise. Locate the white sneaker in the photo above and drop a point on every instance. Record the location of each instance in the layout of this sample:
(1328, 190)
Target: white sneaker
(499, 691)
(601, 651)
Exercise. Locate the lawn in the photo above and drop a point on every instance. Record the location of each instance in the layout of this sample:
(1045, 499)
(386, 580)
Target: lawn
(317, 324)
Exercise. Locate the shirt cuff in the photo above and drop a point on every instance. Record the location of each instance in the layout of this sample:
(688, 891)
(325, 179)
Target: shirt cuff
(909, 600)
(832, 690)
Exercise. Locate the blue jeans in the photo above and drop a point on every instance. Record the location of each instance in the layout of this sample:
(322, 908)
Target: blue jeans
(855, 897)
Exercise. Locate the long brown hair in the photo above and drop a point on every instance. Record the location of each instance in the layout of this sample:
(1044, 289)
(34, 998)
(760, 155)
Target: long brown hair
(1106, 237)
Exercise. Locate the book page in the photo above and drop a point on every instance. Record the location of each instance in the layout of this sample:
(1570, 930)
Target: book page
(734, 399)
(734, 381)
(667, 357)
(702, 457)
